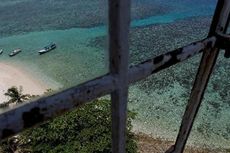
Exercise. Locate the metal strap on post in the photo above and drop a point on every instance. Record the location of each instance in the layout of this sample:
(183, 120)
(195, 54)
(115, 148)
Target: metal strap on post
(219, 25)
(224, 43)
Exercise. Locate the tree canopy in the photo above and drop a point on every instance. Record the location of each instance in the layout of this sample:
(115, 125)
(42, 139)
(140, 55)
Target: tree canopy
(16, 96)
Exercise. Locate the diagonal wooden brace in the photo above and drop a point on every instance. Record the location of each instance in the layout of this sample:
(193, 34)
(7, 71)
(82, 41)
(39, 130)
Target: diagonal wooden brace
(219, 25)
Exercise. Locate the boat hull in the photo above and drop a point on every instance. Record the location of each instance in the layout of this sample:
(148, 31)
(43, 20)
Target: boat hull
(47, 49)
(15, 52)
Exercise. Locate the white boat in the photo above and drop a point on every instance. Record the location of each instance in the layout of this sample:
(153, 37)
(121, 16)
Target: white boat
(48, 48)
(15, 52)
(1, 51)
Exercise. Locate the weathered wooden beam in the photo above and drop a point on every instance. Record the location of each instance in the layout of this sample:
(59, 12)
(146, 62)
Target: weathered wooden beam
(119, 25)
(156, 64)
(30, 114)
(219, 25)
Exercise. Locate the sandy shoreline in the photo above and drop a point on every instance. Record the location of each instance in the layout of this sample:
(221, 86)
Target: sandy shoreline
(148, 144)
(12, 75)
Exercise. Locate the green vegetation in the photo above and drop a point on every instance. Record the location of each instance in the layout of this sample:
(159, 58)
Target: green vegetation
(16, 95)
(84, 130)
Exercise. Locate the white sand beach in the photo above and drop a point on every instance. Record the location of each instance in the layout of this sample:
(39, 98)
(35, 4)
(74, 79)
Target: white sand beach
(12, 75)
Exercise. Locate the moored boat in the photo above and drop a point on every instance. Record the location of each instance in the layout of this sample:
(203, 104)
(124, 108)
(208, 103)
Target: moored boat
(15, 52)
(1, 51)
(48, 48)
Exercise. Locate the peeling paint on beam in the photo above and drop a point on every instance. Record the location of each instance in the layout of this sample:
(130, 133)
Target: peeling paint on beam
(30, 114)
(164, 61)
(219, 25)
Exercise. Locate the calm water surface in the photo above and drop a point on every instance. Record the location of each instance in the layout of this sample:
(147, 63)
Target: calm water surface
(79, 28)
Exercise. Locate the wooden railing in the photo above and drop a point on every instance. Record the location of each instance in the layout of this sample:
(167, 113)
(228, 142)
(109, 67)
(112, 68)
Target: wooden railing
(117, 81)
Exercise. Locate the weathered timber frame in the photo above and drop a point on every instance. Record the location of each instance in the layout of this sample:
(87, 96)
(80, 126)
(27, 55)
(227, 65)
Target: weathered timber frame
(117, 81)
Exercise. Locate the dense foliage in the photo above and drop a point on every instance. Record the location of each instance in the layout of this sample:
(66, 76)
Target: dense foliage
(85, 130)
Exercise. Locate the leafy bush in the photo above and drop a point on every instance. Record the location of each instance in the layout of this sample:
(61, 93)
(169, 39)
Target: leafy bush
(85, 130)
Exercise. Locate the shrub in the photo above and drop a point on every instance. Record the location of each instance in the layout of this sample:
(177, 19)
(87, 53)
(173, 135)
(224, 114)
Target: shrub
(84, 130)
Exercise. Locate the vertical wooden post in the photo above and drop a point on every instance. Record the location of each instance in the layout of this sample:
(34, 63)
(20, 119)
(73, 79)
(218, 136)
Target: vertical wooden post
(219, 24)
(119, 24)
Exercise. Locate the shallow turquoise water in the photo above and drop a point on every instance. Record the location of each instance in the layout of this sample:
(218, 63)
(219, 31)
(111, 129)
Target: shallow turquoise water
(71, 63)
(74, 60)
(80, 56)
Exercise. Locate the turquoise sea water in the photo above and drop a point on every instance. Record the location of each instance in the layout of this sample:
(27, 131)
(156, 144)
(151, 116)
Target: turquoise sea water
(30, 29)
(80, 32)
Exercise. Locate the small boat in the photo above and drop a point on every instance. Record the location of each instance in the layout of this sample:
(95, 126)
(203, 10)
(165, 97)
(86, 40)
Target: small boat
(1, 51)
(48, 48)
(15, 52)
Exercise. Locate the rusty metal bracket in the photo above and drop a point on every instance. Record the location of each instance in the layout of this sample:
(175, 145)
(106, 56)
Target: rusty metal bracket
(223, 42)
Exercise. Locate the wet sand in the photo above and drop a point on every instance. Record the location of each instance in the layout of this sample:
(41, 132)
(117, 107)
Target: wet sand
(12, 75)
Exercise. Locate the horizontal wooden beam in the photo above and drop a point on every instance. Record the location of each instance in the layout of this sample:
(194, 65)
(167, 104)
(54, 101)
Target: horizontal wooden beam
(161, 62)
(30, 114)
